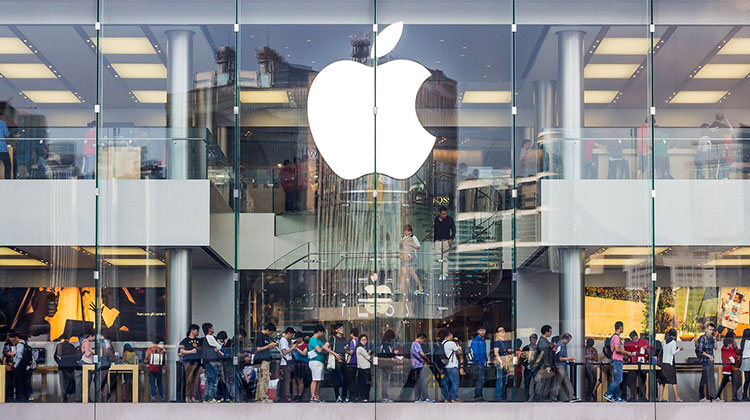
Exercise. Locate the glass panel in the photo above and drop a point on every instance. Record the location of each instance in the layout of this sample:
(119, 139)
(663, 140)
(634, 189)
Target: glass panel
(444, 214)
(166, 223)
(47, 234)
(313, 270)
(583, 222)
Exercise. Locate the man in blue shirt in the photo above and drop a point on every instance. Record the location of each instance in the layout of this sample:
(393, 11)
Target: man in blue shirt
(479, 352)
(704, 349)
(561, 370)
(4, 154)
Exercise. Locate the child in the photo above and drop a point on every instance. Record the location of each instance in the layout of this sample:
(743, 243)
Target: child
(363, 369)
(154, 362)
(729, 368)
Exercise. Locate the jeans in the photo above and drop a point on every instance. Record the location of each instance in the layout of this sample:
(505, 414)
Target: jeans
(339, 384)
(614, 387)
(450, 383)
(351, 381)
(420, 388)
(500, 383)
(529, 384)
(363, 384)
(479, 384)
(154, 381)
(5, 159)
(212, 380)
(707, 378)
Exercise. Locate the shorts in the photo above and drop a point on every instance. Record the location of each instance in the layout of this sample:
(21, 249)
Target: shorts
(316, 368)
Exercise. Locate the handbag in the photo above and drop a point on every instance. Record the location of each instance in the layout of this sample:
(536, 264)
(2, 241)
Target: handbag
(331, 362)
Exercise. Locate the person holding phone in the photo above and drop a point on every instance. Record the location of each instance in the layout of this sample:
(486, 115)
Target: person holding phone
(407, 248)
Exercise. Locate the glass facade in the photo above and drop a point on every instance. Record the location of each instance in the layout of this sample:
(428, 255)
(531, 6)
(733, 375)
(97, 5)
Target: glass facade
(374, 200)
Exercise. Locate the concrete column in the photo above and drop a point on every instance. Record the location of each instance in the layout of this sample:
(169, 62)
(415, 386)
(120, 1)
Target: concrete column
(545, 105)
(570, 96)
(179, 261)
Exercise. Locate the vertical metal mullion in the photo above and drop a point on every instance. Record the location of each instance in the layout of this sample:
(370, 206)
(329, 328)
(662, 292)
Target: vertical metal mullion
(375, 340)
(97, 211)
(652, 283)
(237, 186)
(514, 195)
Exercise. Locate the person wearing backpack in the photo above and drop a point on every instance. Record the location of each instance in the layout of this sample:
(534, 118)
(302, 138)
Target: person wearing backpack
(704, 349)
(451, 370)
(154, 362)
(22, 360)
(616, 354)
(66, 357)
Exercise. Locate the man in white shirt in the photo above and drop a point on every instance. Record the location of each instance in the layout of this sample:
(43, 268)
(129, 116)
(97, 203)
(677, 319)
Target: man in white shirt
(285, 365)
(451, 370)
(211, 363)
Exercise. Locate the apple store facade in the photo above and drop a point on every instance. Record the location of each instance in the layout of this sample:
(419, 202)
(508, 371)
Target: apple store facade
(374, 175)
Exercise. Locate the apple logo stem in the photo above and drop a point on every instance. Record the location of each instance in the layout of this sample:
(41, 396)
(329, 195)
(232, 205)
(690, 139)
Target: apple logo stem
(340, 108)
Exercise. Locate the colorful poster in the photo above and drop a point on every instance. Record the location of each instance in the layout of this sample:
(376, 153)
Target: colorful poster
(733, 310)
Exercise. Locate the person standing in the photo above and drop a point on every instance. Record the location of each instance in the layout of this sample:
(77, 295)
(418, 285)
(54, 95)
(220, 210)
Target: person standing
(668, 370)
(388, 357)
(704, 349)
(87, 358)
(561, 370)
(301, 370)
(22, 360)
(591, 357)
(191, 360)
(337, 345)
(351, 364)
(288, 179)
(66, 358)
(155, 362)
(618, 354)
(129, 357)
(4, 152)
(418, 364)
(211, 361)
(729, 370)
(316, 356)
(528, 355)
(451, 370)
(263, 345)
(499, 353)
(363, 369)
(444, 231)
(287, 347)
(546, 364)
(407, 248)
(479, 352)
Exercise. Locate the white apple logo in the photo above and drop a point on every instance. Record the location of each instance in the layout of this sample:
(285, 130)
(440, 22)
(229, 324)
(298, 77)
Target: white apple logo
(340, 113)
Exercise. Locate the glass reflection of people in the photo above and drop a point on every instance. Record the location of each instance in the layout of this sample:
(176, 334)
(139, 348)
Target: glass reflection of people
(722, 130)
(618, 167)
(4, 152)
(89, 151)
(444, 231)
(661, 155)
(702, 159)
(407, 249)
(288, 178)
(523, 158)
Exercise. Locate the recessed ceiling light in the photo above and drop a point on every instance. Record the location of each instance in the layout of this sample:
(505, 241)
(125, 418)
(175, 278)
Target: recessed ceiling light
(632, 250)
(133, 262)
(51, 96)
(624, 46)
(698, 96)
(21, 262)
(486, 97)
(108, 250)
(140, 71)
(609, 71)
(736, 46)
(10, 45)
(264, 97)
(125, 45)
(151, 96)
(723, 71)
(618, 262)
(599, 96)
(26, 71)
(8, 251)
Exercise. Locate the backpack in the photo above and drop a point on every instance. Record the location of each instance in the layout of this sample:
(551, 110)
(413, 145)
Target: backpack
(155, 360)
(441, 359)
(69, 355)
(607, 349)
(27, 358)
(699, 347)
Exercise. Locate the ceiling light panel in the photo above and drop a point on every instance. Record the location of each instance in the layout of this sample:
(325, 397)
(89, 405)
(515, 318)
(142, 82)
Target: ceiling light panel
(51, 96)
(140, 71)
(264, 97)
(599, 96)
(632, 250)
(133, 262)
(623, 46)
(106, 250)
(126, 45)
(698, 96)
(9, 251)
(609, 71)
(151, 96)
(11, 45)
(736, 46)
(723, 71)
(486, 97)
(616, 262)
(21, 262)
(26, 71)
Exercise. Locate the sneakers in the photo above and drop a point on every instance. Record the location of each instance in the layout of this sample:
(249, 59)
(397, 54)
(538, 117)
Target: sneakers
(705, 400)
(458, 400)
(418, 401)
(339, 400)
(609, 398)
(429, 400)
(314, 400)
(387, 400)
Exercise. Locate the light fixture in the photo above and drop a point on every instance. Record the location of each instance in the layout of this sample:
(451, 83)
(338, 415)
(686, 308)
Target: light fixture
(723, 71)
(151, 96)
(9, 251)
(624, 46)
(698, 96)
(11, 45)
(21, 262)
(599, 96)
(728, 262)
(617, 262)
(486, 97)
(113, 250)
(140, 71)
(632, 250)
(264, 97)
(26, 71)
(133, 262)
(609, 71)
(51, 96)
(744, 250)
(125, 45)
(736, 46)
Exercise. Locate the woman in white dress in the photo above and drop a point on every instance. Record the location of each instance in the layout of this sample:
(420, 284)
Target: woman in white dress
(407, 252)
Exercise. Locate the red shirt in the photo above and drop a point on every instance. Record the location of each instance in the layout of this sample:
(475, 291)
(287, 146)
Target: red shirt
(727, 354)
